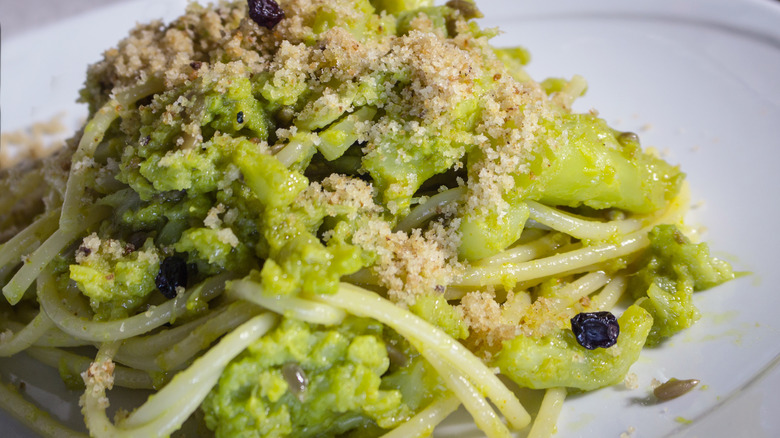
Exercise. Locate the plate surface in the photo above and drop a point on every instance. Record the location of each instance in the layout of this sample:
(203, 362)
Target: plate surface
(696, 79)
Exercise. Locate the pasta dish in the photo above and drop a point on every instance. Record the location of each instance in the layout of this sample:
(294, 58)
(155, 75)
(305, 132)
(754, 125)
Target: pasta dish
(338, 218)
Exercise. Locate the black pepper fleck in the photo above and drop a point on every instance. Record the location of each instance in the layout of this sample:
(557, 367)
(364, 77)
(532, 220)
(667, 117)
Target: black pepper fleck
(266, 13)
(145, 141)
(595, 330)
(173, 274)
(196, 65)
(240, 117)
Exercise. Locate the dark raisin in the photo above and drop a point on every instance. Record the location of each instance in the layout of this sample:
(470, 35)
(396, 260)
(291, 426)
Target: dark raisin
(266, 13)
(240, 117)
(83, 251)
(595, 330)
(173, 274)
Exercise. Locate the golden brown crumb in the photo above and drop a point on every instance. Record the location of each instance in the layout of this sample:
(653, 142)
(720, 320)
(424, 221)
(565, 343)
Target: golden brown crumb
(484, 317)
(99, 377)
(412, 264)
(212, 219)
(631, 381)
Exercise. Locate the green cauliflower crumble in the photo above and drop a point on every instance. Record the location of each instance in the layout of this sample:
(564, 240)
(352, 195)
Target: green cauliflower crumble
(558, 360)
(343, 368)
(672, 270)
(436, 310)
(116, 279)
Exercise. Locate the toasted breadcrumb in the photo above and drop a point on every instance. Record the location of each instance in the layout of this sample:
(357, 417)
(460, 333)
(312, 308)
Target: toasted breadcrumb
(228, 237)
(412, 264)
(484, 317)
(631, 381)
(99, 377)
(212, 219)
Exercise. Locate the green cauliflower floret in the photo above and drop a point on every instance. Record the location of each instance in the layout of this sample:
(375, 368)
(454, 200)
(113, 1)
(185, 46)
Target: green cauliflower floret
(214, 250)
(487, 234)
(581, 162)
(308, 265)
(270, 181)
(304, 381)
(396, 6)
(436, 310)
(600, 169)
(116, 278)
(558, 360)
(162, 158)
(362, 21)
(296, 258)
(514, 59)
(672, 269)
(236, 111)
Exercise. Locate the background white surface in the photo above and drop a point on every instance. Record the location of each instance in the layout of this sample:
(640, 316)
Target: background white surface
(698, 79)
(18, 16)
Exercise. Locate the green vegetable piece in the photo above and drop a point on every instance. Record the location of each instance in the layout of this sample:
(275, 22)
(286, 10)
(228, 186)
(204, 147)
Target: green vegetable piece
(598, 171)
(272, 183)
(213, 250)
(306, 264)
(467, 8)
(194, 170)
(672, 269)
(337, 138)
(236, 110)
(487, 235)
(436, 310)
(282, 88)
(323, 111)
(553, 85)
(558, 360)
(343, 368)
(362, 22)
(396, 6)
(400, 164)
(437, 14)
(514, 59)
(115, 280)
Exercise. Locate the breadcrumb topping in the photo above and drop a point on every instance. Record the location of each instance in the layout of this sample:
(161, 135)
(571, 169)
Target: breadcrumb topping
(485, 320)
(412, 264)
(99, 377)
(443, 75)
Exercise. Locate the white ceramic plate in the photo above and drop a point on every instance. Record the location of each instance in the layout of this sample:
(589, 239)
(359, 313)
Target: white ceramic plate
(697, 79)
